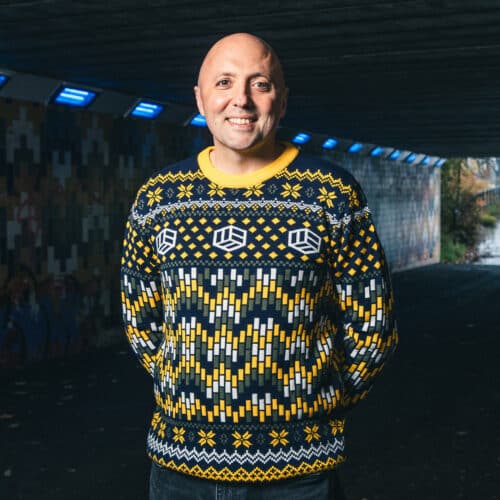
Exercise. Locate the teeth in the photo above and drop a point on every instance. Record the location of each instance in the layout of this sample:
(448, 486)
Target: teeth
(240, 121)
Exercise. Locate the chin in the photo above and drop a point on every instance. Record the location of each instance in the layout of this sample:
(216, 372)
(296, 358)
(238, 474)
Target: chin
(242, 146)
(257, 144)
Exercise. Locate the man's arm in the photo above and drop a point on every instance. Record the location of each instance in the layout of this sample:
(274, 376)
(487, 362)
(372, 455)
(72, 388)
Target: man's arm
(364, 295)
(141, 295)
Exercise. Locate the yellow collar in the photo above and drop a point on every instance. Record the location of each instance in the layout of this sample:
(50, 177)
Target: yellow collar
(246, 180)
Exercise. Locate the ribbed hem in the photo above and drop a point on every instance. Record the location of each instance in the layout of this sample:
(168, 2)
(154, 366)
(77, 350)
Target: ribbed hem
(246, 452)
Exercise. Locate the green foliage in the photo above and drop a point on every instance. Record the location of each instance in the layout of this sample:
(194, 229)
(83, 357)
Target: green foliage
(451, 251)
(460, 211)
(487, 220)
(493, 209)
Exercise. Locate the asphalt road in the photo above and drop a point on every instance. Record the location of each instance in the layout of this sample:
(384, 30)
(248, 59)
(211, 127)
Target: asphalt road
(430, 429)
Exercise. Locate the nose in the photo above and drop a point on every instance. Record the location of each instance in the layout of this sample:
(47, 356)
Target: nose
(242, 97)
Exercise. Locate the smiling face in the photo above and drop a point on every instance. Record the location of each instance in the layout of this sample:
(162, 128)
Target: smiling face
(242, 95)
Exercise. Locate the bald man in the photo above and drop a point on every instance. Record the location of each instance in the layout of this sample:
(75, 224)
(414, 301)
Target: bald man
(256, 293)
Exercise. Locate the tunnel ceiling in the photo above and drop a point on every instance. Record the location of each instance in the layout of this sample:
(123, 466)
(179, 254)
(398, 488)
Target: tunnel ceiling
(418, 75)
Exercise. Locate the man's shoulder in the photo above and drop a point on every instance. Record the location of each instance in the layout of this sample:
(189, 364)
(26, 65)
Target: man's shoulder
(322, 170)
(161, 185)
(170, 174)
(175, 170)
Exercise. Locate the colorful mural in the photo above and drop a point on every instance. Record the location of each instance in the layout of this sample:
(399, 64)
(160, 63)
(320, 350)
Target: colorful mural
(67, 180)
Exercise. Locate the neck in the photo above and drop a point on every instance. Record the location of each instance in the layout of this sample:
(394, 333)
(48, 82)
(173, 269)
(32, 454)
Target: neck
(244, 162)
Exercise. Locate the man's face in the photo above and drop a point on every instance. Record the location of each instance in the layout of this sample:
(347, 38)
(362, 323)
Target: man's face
(241, 94)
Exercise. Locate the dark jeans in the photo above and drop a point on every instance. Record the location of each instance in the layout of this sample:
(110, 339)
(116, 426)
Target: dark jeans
(165, 484)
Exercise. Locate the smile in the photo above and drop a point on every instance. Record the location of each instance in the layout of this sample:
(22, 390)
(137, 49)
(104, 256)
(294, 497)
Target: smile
(240, 121)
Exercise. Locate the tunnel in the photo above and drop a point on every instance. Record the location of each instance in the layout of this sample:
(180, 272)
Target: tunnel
(97, 97)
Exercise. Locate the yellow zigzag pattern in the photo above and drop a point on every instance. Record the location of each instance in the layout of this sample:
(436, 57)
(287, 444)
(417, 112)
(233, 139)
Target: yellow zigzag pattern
(256, 475)
(293, 175)
(170, 177)
(316, 176)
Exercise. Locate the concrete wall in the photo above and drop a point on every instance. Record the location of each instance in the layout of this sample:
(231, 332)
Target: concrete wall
(406, 206)
(67, 179)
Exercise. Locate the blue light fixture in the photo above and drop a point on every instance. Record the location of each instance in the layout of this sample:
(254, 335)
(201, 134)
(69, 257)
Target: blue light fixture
(410, 158)
(3, 80)
(146, 109)
(301, 138)
(198, 121)
(395, 154)
(376, 151)
(355, 147)
(72, 96)
(425, 160)
(330, 143)
(440, 162)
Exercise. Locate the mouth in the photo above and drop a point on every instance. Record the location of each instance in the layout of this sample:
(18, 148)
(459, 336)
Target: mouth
(241, 121)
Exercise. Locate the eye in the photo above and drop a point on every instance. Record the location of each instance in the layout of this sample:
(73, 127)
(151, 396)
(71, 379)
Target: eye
(262, 85)
(223, 82)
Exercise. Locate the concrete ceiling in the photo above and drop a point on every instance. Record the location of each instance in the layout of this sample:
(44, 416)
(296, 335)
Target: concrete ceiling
(421, 75)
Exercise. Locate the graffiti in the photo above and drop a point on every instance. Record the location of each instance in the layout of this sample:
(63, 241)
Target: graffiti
(67, 180)
(38, 321)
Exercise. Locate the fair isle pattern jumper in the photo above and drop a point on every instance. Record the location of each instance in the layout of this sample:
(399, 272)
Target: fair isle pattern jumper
(261, 306)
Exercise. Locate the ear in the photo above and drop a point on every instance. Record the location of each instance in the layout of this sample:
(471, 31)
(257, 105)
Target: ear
(199, 100)
(284, 103)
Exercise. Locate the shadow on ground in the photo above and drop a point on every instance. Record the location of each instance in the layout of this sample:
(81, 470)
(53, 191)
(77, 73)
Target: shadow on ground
(429, 430)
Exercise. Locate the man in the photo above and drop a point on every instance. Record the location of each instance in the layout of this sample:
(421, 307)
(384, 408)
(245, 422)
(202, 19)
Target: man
(256, 293)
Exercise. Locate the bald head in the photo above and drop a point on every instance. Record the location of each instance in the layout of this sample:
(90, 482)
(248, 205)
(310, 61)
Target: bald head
(244, 44)
(241, 92)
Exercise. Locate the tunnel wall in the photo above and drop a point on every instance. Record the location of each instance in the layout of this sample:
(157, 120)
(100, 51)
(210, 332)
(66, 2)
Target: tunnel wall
(406, 204)
(67, 179)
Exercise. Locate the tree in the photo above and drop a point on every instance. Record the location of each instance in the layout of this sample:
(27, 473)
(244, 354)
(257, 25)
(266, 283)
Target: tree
(460, 211)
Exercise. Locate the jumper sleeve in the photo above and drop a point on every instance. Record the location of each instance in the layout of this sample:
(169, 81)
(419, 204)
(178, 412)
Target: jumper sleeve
(365, 299)
(141, 293)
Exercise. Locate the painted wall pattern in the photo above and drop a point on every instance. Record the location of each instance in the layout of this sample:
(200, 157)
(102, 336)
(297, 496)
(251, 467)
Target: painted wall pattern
(67, 180)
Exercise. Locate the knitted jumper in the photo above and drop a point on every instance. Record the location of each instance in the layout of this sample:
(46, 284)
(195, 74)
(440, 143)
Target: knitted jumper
(261, 306)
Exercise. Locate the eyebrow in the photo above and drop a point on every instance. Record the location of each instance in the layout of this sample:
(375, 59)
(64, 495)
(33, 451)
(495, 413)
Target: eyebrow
(253, 75)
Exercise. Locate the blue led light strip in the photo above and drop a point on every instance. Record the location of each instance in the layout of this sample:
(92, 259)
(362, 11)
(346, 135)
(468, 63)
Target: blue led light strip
(330, 143)
(355, 148)
(147, 110)
(301, 138)
(74, 97)
(198, 121)
(376, 151)
(395, 154)
(410, 158)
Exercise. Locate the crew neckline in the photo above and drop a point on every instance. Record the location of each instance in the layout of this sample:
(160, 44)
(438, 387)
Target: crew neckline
(224, 179)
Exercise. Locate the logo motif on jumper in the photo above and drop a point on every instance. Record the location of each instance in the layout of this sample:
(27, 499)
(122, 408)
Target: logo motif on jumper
(165, 240)
(304, 240)
(230, 238)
